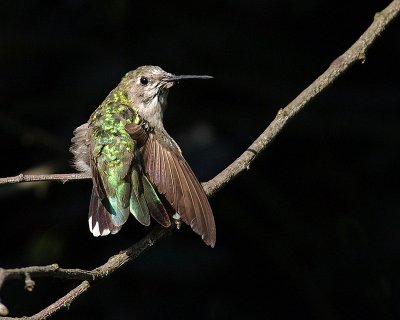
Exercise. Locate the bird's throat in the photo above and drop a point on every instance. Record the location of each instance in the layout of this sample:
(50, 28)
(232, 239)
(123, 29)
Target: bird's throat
(153, 110)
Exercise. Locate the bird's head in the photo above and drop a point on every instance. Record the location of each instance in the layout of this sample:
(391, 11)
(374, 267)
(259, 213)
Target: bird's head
(148, 86)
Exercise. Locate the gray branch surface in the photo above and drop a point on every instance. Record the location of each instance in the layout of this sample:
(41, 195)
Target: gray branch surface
(356, 53)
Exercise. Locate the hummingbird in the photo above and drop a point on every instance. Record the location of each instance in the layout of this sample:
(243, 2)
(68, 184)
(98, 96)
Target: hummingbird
(136, 167)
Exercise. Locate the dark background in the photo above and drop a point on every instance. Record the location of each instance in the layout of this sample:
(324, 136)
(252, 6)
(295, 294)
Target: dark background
(312, 231)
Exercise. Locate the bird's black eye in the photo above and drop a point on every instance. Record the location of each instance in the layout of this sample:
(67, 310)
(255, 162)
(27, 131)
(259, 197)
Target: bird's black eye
(144, 81)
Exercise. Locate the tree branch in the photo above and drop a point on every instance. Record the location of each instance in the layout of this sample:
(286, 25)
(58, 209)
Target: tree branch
(113, 264)
(356, 53)
(62, 177)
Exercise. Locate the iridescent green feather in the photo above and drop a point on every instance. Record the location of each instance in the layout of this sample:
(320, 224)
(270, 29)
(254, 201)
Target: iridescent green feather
(118, 165)
(113, 151)
(138, 203)
(155, 206)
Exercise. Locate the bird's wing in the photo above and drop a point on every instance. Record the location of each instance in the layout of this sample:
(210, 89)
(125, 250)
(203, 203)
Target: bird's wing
(174, 179)
(80, 148)
(155, 206)
(119, 183)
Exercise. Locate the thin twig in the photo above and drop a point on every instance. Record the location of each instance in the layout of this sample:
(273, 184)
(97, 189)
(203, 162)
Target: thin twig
(62, 177)
(356, 53)
(63, 302)
(113, 264)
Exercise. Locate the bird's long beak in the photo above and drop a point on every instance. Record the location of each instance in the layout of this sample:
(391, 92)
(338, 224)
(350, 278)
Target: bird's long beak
(173, 77)
(170, 79)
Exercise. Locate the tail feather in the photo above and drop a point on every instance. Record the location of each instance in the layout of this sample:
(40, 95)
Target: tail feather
(154, 204)
(100, 223)
(138, 206)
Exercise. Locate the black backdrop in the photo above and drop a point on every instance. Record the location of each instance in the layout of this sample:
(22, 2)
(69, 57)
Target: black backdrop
(311, 231)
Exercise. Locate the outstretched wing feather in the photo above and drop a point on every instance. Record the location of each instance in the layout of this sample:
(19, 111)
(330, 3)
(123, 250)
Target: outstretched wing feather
(177, 182)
